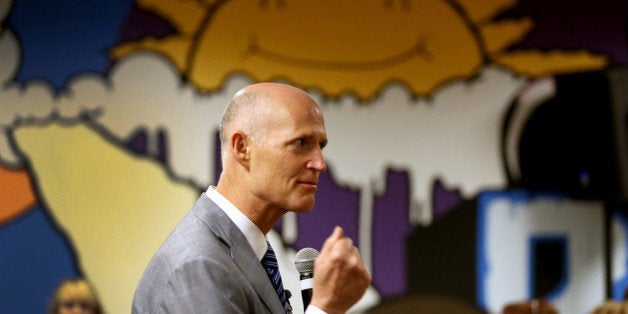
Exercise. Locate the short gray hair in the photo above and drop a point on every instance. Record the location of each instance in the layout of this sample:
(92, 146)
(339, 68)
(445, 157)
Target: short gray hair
(242, 113)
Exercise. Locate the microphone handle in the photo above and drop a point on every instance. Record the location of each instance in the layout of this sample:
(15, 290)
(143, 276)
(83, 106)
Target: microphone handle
(307, 281)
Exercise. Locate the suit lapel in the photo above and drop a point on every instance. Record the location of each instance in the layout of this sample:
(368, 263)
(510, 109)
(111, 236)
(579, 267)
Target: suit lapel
(241, 252)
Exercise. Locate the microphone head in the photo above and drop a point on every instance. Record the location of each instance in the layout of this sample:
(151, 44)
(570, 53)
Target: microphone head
(304, 260)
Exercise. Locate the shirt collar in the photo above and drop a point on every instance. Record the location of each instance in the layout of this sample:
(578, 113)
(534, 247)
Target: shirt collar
(254, 236)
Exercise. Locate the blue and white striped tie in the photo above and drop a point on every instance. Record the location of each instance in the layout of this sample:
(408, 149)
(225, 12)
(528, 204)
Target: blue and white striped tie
(269, 261)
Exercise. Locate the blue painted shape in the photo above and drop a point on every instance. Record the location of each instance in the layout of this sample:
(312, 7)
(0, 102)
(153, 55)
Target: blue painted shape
(485, 199)
(63, 38)
(481, 260)
(620, 285)
(482, 266)
(36, 257)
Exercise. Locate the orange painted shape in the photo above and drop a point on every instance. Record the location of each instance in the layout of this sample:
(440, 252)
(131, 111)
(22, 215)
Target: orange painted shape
(16, 193)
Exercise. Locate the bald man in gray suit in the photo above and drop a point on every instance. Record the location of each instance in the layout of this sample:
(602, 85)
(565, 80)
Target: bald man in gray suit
(272, 136)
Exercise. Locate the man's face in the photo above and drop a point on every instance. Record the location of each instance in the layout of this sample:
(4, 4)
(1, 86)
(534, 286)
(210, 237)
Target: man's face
(287, 162)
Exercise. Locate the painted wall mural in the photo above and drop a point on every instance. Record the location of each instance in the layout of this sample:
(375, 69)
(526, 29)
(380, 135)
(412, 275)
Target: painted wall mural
(109, 113)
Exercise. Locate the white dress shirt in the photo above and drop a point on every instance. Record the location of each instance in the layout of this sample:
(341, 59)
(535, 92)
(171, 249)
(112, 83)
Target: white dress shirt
(254, 236)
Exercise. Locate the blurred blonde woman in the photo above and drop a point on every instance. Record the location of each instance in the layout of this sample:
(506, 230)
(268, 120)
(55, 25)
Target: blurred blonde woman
(75, 296)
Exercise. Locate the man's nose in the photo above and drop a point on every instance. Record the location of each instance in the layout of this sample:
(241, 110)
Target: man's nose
(318, 162)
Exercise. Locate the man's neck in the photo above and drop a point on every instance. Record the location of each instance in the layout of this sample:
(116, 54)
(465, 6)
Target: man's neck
(263, 216)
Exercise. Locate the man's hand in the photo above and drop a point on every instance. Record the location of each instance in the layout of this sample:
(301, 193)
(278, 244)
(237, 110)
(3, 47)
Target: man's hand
(340, 278)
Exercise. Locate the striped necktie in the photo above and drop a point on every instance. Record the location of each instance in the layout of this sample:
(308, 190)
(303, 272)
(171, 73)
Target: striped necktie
(269, 261)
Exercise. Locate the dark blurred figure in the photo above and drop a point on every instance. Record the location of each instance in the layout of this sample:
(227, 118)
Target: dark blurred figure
(611, 307)
(535, 306)
(425, 304)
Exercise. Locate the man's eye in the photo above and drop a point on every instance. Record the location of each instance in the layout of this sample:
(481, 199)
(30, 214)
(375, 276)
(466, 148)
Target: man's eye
(301, 142)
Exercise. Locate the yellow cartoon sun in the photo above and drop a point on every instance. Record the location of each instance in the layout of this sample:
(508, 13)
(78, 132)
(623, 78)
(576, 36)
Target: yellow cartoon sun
(346, 46)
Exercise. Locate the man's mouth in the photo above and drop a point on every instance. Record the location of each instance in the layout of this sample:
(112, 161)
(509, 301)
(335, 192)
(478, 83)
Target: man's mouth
(309, 183)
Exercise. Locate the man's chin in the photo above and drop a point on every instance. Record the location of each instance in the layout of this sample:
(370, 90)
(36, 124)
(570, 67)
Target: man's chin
(303, 209)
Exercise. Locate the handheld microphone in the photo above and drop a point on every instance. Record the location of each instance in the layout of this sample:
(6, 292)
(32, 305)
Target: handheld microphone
(304, 261)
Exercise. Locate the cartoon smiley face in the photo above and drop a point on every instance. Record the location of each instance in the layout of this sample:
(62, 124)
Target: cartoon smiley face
(346, 46)
(337, 46)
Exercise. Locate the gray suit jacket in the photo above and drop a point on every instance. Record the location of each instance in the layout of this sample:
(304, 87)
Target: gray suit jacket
(205, 266)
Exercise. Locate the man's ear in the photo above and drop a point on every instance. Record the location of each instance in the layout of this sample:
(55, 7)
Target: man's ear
(240, 147)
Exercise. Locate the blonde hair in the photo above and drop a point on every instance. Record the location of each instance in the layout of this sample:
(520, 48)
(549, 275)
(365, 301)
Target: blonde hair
(72, 290)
